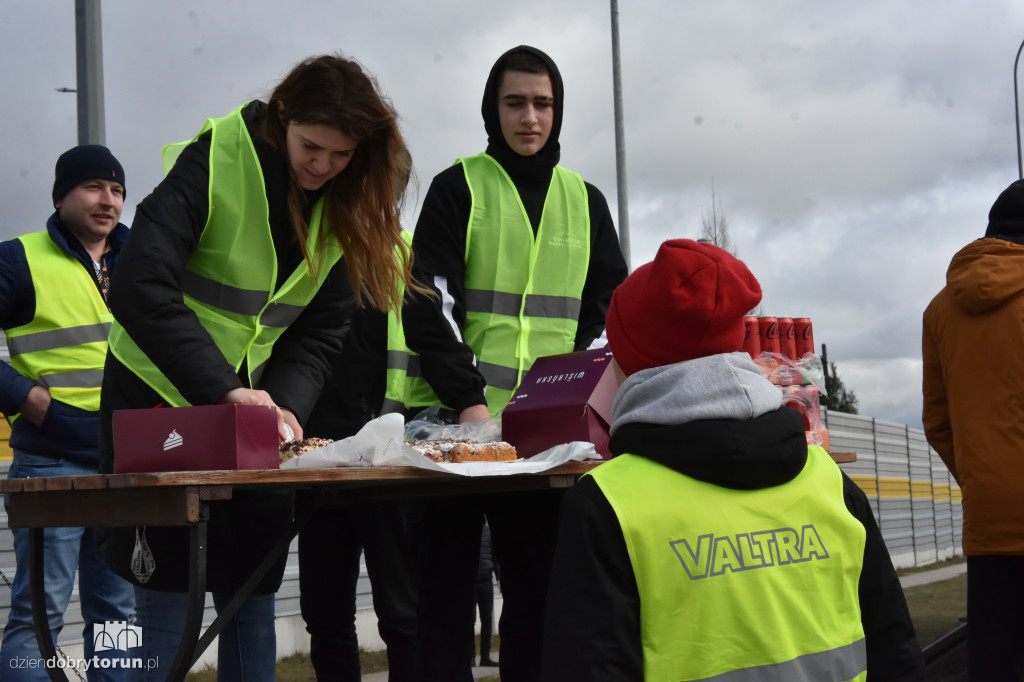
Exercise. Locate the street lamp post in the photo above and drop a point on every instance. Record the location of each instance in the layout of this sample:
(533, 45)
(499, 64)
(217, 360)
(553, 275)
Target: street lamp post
(89, 60)
(620, 136)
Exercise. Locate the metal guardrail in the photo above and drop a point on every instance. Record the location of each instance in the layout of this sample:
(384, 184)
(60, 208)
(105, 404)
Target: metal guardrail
(945, 644)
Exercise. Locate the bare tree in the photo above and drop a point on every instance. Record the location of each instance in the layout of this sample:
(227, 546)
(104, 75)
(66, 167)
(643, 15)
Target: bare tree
(715, 230)
(715, 226)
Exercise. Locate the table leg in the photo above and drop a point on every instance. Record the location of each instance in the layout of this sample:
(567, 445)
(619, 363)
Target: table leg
(187, 653)
(192, 645)
(37, 591)
(302, 516)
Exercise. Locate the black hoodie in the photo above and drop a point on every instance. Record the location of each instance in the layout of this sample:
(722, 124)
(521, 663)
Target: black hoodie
(440, 237)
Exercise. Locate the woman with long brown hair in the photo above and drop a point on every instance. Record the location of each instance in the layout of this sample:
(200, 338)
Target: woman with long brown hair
(235, 286)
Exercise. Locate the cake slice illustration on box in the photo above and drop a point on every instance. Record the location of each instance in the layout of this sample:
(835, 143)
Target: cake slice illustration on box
(173, 440)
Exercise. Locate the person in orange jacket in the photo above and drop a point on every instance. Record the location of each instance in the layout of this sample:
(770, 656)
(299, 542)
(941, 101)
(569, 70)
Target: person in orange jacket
(974, 418)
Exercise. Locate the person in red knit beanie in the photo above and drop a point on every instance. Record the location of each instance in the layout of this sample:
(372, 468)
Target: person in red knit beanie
(694, 297)
(715, 543)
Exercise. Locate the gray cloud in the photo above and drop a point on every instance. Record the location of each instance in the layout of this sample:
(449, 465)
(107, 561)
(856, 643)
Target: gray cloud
(854, 147)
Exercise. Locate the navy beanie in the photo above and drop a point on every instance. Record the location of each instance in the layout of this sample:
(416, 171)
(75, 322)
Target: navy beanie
(81, 163)
(1006, 219)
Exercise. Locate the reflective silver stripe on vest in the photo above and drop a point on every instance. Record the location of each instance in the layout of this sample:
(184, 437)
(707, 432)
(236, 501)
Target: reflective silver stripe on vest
(560, 307)
(537, 305)
(82, 378)
(58, 338)
(219, 295)
(281, 314)
(390, 406)
(498, 376)
(400, 359)
(844, 663)
(498, 302)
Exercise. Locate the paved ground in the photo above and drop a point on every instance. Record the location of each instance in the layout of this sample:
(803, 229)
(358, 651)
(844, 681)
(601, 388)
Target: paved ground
(909, 580)
(924, 577)
(477, 673)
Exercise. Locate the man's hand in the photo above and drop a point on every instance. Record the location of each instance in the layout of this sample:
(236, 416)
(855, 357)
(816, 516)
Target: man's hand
(476, 413)
(36, 405)
(483, 427)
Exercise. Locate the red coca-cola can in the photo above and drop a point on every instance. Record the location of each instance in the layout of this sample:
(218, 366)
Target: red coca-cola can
(787, 338)
(751, 340)
(803, 333)
(768, 334)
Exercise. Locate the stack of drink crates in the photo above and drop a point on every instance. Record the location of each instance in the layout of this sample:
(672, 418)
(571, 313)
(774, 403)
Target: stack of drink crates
(783, 347)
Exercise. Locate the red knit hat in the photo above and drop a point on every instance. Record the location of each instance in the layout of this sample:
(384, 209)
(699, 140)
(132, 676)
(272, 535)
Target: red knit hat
(689, 302)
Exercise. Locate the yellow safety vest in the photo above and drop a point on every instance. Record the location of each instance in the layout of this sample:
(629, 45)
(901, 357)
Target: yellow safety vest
(523, 291)
(406, 388)
(742, 585)
(64, 346)
(229, 280)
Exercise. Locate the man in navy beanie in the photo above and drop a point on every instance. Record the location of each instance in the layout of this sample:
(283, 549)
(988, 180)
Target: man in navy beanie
(85, 162)
(53, 290)
(715, 544)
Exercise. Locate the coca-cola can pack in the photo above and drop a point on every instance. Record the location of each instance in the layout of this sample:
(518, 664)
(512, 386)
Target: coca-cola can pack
(803, 334)
(768, 334)
(751, 340)
(787, 338)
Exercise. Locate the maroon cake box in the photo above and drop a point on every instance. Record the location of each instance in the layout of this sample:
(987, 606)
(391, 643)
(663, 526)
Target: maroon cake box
(197, 438)
(562, 398)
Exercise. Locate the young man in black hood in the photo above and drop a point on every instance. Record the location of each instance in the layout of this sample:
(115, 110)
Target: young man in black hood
(524, 256)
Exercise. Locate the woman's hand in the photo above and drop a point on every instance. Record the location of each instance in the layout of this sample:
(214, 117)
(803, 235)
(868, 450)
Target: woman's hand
(248, 396)
(285, 417)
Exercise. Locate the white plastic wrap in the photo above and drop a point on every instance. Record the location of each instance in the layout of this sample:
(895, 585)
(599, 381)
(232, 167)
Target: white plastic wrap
(380, 443)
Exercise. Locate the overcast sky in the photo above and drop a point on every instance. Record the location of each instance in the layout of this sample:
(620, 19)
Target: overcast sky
(853, 147)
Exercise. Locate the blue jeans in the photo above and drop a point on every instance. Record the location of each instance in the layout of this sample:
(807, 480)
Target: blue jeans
(246, 648)
(103, 596)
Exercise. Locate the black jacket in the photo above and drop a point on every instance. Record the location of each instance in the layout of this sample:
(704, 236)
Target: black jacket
(354, 393)
(148, 302)
(440, 237)
(67, 432)
(593, 596)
